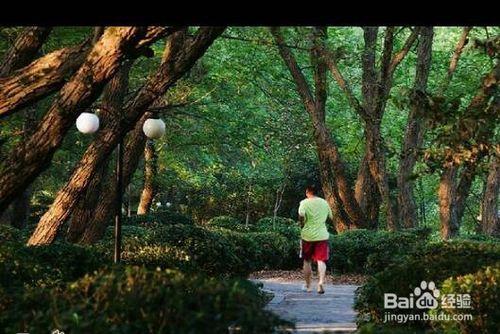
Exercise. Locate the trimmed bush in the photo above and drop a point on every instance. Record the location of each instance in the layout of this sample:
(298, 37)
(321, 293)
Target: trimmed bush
(483, 288)
(229, 223)
(166, 217)
(138, 300)
(367, 251)
(41, 267)
(285, 226)
(45, 265)
(215, 251)
(434, 262)
(9, 233)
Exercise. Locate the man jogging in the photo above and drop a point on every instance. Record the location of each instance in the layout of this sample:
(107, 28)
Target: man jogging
(313, 212)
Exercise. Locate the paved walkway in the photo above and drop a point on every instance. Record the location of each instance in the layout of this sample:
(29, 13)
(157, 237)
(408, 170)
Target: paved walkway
(331, 312)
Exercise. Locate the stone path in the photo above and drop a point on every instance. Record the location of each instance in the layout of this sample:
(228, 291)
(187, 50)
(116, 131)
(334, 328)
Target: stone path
(331, 312)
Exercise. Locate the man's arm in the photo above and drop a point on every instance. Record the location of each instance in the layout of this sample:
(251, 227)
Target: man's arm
(330, 215)
(301, 221)
(302, 214)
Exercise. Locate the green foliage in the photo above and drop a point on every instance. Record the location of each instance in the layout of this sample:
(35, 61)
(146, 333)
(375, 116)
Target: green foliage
(161, 217)
(41, 267)
(229, 223)
(215, 251)
(367, 251)
(136, 300)
(433, 262)
(285, 226)
(45, 265)
(9, 233)
(483, 287)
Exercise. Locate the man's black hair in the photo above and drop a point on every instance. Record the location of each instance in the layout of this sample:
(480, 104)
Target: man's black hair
(311, 189)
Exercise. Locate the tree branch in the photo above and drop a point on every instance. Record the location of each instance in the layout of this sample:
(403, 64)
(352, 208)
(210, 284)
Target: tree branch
(401, 54)
(319, 69)
(455, 57)
(291, 62)
(331, 63)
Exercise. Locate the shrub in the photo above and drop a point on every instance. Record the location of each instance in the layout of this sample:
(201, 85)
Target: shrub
(434, 262)
(483, 288)
(215, 251)
(185, 247)
(9, 233)
(138, 300)
(229, 223)
(367, 251)
(41, 265)
(285, 226)
(166, 217)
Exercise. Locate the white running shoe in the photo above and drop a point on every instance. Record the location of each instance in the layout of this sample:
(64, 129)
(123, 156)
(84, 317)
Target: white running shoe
(306, 288)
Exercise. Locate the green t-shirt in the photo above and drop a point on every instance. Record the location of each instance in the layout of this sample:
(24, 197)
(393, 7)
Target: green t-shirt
(315, 212)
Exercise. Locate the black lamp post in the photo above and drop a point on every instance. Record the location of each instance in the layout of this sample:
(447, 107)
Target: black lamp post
(154, 128)
(118, 204)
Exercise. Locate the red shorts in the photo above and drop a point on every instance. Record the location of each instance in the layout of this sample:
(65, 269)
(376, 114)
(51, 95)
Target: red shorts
(314, 250)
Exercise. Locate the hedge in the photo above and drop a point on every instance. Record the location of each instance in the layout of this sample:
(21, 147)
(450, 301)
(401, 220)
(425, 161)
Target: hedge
(139, 300)
(162, 217)
(483, 288)
(368, 251)
(215, 251)
(434, 262)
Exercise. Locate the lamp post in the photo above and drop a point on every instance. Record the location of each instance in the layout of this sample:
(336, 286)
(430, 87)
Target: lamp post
(154, 128)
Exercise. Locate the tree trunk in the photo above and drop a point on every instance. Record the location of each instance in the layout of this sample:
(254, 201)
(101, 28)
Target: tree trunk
(40, 78)
(376, 162)
(467, 176)
(150, 171)
(447, 198)
(337, 185)
(24, 50)
(414, 132)
(490, 219)
(84, 210)
(367, 194)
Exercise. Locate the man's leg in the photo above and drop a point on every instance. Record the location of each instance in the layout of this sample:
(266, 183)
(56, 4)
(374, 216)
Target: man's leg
(321, 274)
(307, 274)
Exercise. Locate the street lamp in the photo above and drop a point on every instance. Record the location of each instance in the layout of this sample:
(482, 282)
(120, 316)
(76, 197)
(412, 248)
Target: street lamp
(87, 123)
(154, 128)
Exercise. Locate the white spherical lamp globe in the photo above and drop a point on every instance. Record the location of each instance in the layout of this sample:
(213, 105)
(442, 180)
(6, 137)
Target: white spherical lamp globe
(154, 128)
(87, 122)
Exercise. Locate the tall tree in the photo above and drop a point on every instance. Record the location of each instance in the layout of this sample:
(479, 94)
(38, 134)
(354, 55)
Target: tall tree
(336, 185)
(414, 132)
(474, 128)
(361, 206)
(376, 87)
